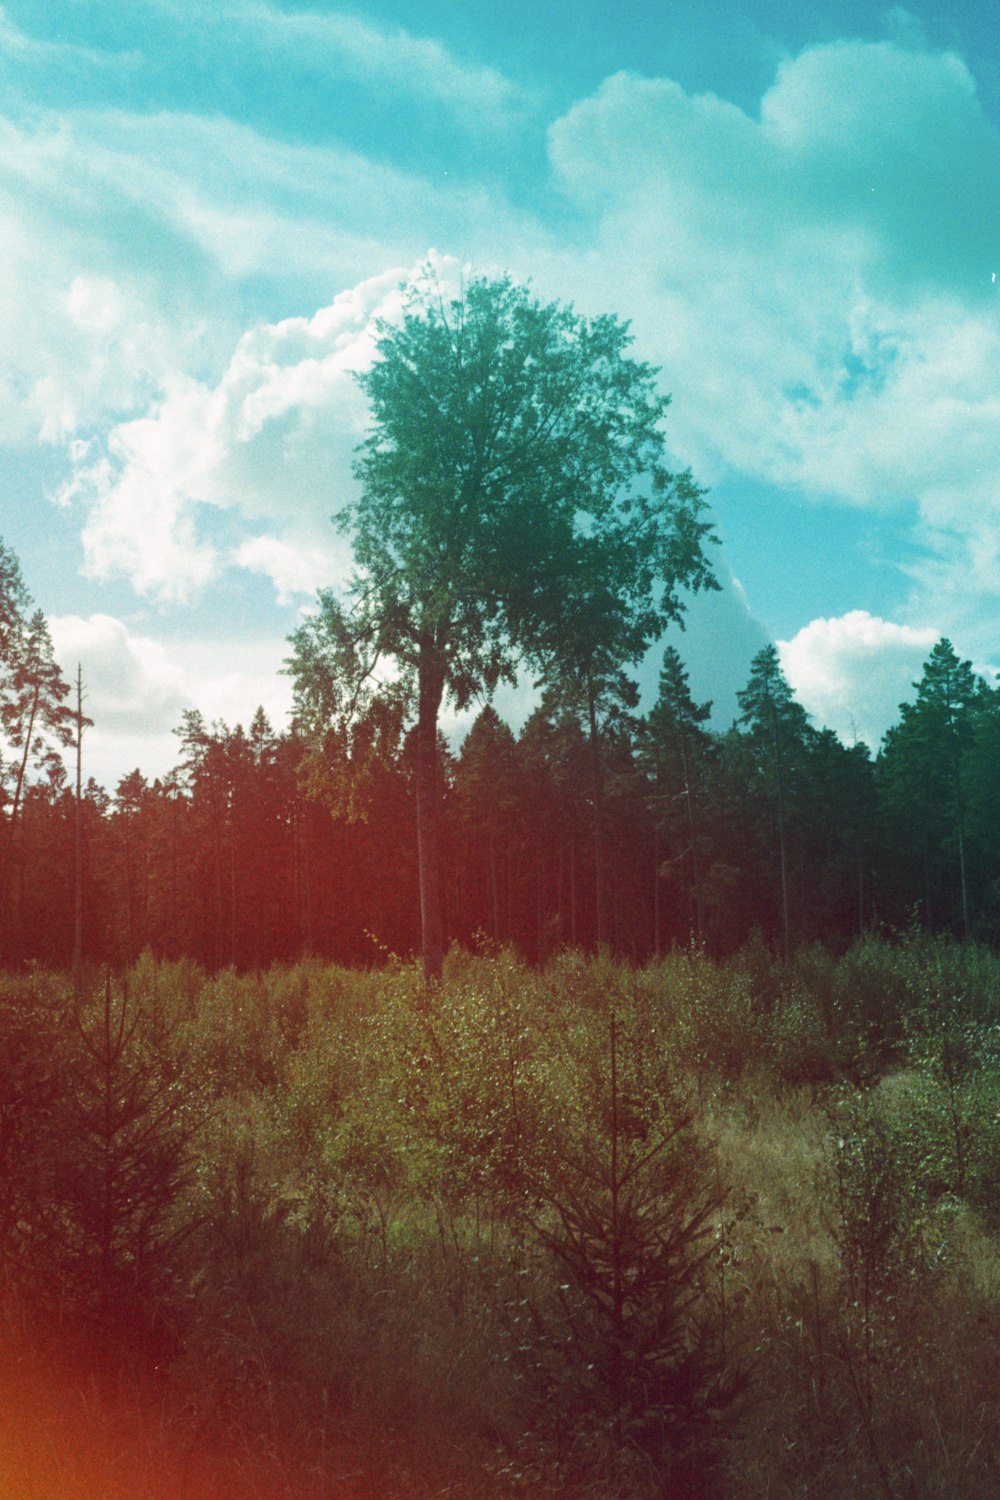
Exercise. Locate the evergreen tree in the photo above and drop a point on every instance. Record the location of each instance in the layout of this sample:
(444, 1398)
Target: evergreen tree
(922, 775)
(37, 724)
(555, 814)
(131, 797)
(837, 817)
(485, 798)
(675, 747)
(981, 783)
(777, 729)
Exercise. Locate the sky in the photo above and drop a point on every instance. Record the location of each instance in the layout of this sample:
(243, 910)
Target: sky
(204, 204)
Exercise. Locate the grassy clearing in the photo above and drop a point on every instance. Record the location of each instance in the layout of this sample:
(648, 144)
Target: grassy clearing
(697, 1230)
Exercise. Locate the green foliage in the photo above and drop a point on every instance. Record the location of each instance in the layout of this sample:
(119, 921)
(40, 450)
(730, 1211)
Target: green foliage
(877, 1204)
(532, 1231)
(627, 1352)
(30, 1091)
(99, 1138)
(515, 507)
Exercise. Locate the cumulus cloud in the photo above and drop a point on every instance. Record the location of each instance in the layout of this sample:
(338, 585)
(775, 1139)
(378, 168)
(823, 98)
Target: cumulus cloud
(88, 327)
(129, 678)
(228, 679)
(270, 445)
(852, 673)
(137, 689)
(134, 693)
(129, 241)
(816, 280)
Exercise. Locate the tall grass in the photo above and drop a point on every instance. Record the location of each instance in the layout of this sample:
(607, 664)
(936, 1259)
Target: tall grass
(583, 1231)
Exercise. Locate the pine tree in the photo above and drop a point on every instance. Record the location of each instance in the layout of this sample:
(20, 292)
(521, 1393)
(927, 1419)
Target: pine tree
(922, 774)
(674, 748)
(37, 724)
(778, 731)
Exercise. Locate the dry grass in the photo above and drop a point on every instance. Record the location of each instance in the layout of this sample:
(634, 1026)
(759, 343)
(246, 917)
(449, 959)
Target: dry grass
(898, 1407)
(344, 1336)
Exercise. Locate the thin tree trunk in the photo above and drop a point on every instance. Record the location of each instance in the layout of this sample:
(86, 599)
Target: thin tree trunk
(78, 849)
(233, 906)
(657, 931)
(960, 830)
(130, 952)
(596, 789)
(494, 887)
(174, 925)
(539, 901)
(22, 770)
(572, 890)
(617, 1259)
(431, 687)
(781, 835)
(693, 835)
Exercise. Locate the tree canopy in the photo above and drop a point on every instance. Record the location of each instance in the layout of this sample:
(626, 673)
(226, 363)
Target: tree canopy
(516, 507)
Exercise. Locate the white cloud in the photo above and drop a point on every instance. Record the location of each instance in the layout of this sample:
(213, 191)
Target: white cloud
(271, 445)
(128, 679)
(87, 326)
(138, 495)
(128, 239)
(851, 673)
(417, 66)
(293, 570)
(133, 692)
(18, 47)
(308, 41)
(228, 679)
(816, 281)
(137, 689)
(273, 209)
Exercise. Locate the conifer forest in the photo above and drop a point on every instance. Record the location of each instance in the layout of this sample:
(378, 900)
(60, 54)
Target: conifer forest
(604, 1107)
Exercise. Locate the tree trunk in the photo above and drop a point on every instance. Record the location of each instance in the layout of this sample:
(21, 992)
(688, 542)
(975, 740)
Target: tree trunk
(431, 683)
(597, 793)
(494, 887)
(785, 944)
(8, 860)
(78, 850)
(657, 938)
(960, 830)
(699, 913)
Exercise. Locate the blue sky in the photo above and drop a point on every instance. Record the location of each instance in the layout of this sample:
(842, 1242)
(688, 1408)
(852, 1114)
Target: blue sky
(204, 205)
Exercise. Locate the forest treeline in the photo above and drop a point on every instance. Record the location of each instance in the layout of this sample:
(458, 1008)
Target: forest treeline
(647, 831)
(515, 519)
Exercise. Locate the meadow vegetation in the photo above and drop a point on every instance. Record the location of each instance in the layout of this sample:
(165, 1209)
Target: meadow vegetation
(700, 1228)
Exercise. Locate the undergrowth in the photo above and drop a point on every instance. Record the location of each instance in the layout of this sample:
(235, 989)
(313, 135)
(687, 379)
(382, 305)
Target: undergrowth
(698, 1229)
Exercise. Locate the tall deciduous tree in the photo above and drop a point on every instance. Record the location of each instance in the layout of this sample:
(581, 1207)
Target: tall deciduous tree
(513, 485)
